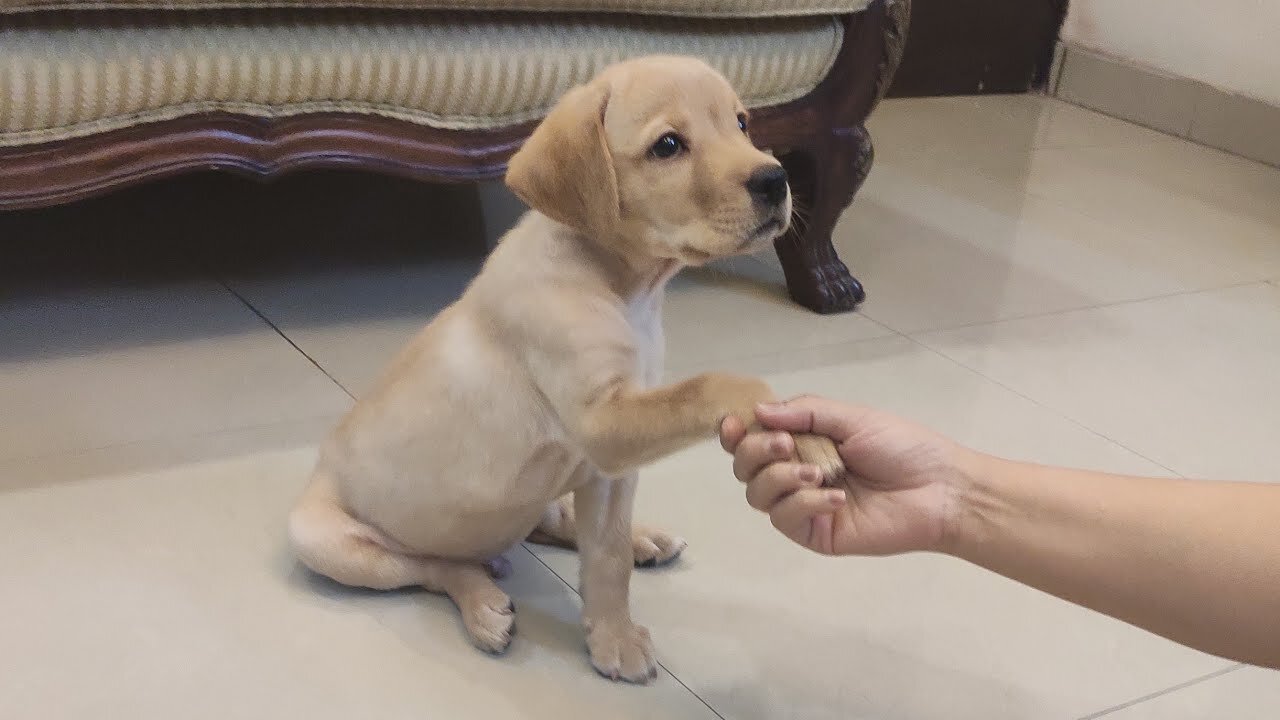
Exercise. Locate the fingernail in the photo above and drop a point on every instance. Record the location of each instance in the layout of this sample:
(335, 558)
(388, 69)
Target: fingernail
(809, 474)
(780, 443)
(836, 497)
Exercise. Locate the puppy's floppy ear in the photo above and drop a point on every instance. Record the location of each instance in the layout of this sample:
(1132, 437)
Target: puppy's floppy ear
(565, 170)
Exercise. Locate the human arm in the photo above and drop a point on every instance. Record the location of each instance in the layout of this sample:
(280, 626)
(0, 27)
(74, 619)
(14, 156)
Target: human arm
(1195, 561)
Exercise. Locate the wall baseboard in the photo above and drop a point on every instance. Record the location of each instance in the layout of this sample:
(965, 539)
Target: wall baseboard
(1175, 105)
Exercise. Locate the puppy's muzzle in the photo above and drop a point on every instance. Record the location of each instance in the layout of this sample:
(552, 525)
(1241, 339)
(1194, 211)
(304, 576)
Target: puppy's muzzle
(768, 186)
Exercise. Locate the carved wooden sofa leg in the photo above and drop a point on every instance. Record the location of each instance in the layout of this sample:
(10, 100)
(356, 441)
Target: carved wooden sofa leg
(824, 179)
(827, 152)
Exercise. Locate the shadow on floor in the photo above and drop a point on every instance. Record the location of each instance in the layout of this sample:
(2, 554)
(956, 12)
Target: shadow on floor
(213, 223)
(203, 228)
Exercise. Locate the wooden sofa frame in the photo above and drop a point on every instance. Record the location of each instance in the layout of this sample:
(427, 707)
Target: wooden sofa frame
(820, 138)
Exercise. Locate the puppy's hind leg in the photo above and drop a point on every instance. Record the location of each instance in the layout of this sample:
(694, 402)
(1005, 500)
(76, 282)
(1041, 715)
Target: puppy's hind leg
(332, 543)
(650, 547)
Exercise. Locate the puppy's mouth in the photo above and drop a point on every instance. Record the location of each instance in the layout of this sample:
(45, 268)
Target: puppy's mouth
(768, 230)
(764, 232)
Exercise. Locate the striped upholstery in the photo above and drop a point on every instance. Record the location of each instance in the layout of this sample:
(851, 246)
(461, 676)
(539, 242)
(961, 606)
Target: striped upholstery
(61, 78)
(686, 8)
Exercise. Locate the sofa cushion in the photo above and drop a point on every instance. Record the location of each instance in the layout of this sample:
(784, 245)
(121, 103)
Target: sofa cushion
(686, 8)
(60, 78)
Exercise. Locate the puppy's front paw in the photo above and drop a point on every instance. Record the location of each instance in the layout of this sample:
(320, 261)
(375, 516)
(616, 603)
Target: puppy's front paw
(734, 395)
(621, 651)
(655, 547)
(821, 452)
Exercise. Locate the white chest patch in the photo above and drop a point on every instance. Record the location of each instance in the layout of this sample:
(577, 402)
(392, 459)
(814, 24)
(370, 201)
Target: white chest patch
(644, 315)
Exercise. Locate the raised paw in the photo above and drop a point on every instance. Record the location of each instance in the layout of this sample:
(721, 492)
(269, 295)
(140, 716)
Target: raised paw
(622, 651)
(821, 452)
(490, 620)
(655, 547)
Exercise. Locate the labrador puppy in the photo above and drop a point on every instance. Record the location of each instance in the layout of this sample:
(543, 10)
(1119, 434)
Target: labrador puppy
(542, 382)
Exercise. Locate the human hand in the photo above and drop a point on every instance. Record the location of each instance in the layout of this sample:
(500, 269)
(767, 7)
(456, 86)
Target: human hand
(902, 480)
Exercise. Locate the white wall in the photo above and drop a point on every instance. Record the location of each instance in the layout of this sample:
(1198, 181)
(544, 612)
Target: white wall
(1231, 44)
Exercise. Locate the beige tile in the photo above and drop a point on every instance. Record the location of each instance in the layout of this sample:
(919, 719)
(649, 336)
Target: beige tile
(1188, 381)
(158, 585)
(944, 249)
(1128, 173)
(912, 126)
(1175, 181)
(111, 366)
(996, 123)
(1186, 203)
(171, 594)
(1241, 125)
(352, 321)
(1244, 694)
(1124, 90)
(148, 456)
(718, 317)
(1062, 125)
(761, 629)
(963, 233)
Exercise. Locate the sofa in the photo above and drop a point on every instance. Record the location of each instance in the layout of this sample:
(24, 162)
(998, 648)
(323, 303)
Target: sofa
(100, 94)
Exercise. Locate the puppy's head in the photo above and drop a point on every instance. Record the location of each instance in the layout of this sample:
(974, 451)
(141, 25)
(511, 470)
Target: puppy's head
(652, 158)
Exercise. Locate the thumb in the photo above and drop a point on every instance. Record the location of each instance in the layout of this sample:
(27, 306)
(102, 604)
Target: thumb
(808, 414)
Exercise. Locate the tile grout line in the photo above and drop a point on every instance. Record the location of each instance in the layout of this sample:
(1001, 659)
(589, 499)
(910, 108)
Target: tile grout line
(286, 338)
(1162, 693)
(1052, 411)
(699, 366)
(1041, 195)
(914, 339)
(1046, 197)
(1081, 308)
(574, 590)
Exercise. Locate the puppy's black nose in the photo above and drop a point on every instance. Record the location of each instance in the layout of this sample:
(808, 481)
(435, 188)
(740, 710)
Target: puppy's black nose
(768, 184)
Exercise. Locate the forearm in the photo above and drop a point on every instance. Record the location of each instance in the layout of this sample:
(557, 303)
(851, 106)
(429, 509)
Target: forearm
(629, 427)
(1197, 562)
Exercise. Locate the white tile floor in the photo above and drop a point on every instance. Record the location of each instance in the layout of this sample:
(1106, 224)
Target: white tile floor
(1044, 282)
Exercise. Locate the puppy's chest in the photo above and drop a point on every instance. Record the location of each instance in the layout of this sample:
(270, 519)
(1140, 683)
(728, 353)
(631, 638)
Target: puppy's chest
(644, 316)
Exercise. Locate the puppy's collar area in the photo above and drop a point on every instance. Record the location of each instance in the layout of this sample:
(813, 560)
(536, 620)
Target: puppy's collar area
(628, 274)
(663, 275)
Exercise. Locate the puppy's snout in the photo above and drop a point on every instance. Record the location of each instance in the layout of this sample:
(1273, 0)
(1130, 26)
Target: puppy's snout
(768, 184)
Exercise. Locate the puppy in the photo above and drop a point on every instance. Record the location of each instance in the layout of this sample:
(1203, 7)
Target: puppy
(542, 381)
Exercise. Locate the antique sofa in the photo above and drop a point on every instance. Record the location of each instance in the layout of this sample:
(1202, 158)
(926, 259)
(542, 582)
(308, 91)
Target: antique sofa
(100, 94)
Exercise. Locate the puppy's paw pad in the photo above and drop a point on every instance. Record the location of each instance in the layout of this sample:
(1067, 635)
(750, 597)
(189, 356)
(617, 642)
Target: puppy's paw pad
(653, 548)
(498, 568)
(622, 651)
(821, 452)
(491, 625)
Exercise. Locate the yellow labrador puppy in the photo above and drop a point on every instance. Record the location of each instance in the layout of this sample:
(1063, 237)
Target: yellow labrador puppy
(542, 380)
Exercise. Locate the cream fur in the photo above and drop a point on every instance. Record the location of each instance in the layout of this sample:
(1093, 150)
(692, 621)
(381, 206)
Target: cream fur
(541, 382)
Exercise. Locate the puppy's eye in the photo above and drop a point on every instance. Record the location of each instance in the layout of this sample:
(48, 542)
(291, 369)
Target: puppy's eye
(667, 146)
(742, 122)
